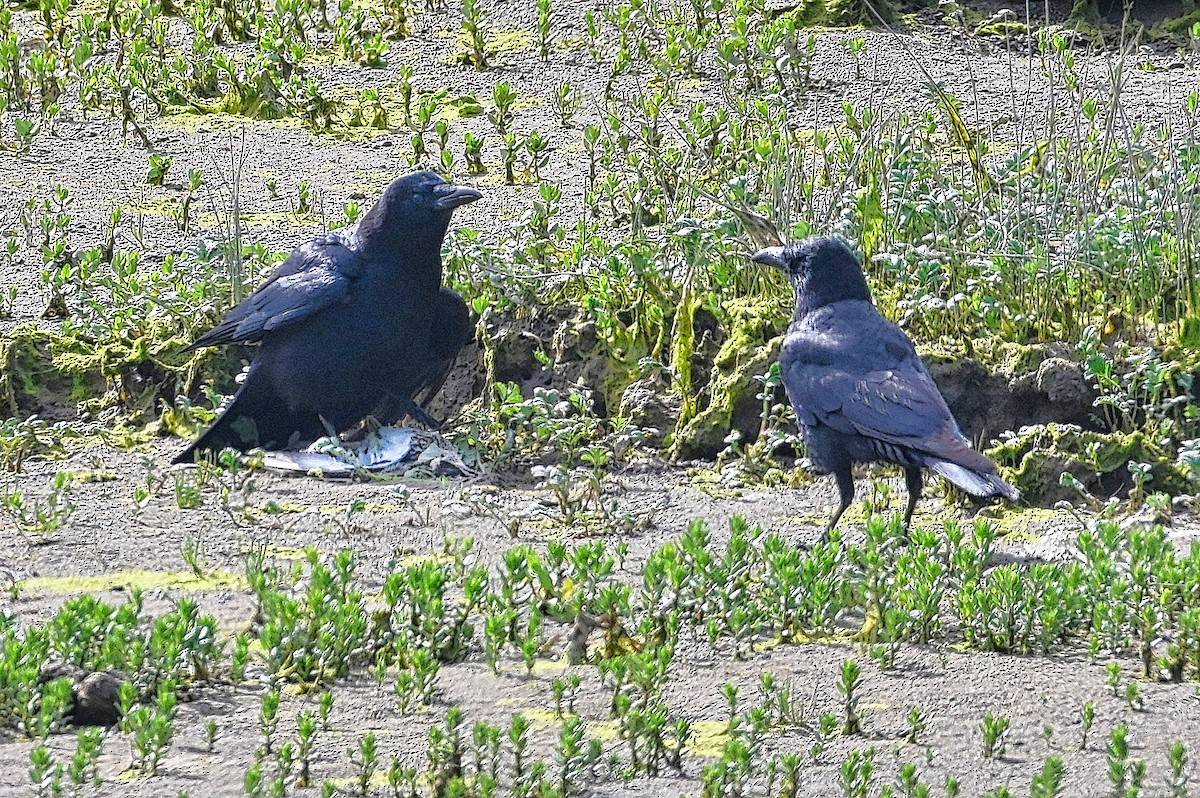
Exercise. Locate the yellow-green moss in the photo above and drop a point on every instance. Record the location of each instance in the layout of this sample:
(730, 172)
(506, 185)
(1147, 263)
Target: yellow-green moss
(183, 580)
(22, 365)
(1024, 524)
(708, 738)
(368, 507)
(1177, 26)
(509, 41)
(1003, 28)
(841, 13)
(755, 336)
(1085, 12)
(1007, 357)
(1016, 359)
(219, 117)
(85, 475)
(1039, 456)
(159, 205)
(286, 553)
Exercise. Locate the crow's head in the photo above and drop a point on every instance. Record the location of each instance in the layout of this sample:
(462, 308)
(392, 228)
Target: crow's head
(414, 207)
(822, 269)
(426, 192)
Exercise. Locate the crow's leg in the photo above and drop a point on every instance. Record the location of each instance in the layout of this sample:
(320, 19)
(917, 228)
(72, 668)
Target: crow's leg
(912, 481)
(845, 485)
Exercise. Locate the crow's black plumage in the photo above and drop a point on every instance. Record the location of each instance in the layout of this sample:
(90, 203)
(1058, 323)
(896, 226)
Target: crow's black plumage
(859, 388)
(352, 323)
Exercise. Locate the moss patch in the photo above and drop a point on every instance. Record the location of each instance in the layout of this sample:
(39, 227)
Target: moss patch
(1009, 358)
(509, 41)
(1177, 26)
(840, 13)
(1086, 12)
(1025, 524)
(1041, 454)
(213, 580)
(583, 357)
(1003, 29)
(755, 337)
(197, 120)
(546, 719)
(708, 738)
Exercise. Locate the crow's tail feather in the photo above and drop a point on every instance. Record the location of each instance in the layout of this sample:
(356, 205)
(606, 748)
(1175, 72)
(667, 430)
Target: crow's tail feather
(973, 482)
(250, 421)
(217, 437)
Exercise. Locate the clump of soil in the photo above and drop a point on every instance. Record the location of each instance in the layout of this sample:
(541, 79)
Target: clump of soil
(1038, 387)
(1040, 454)
(96, 694)
(650, 404)
(753, 336)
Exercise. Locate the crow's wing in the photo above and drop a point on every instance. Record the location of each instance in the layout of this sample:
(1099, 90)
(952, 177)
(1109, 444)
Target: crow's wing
(316, 275)
(450, 331)
(903, 407)
(900, 406)
(862, 376)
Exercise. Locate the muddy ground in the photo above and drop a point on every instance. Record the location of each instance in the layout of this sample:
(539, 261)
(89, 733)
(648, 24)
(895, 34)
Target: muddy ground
(108, 538)
(954, 688)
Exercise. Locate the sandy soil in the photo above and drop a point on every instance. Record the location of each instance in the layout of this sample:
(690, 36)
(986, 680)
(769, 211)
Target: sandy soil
(954, 688)
(1003, 91)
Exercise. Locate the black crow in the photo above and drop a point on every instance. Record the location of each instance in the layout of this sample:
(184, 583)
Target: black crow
(860, 391)
(352, 323)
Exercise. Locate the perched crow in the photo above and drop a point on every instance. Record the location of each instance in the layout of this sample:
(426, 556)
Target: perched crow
(860, 391)
(353, 323)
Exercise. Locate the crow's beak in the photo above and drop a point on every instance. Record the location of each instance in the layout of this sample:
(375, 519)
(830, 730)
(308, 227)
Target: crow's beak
(450, 197)
(771, 256)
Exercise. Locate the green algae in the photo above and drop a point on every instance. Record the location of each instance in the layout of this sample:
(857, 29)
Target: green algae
(708, 737)
(221, 117)
(1038, 456)
(755, 337)
(1003, 28)
(143, 579)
